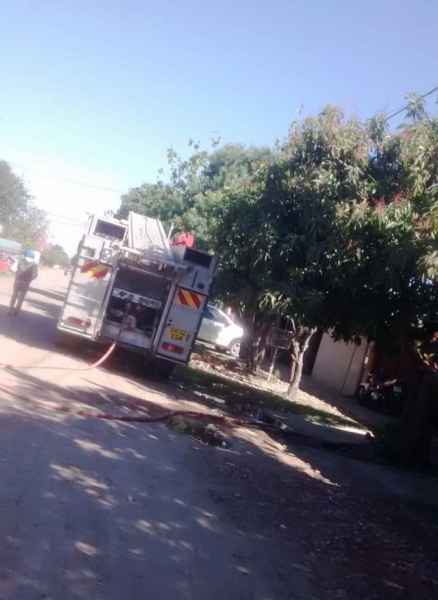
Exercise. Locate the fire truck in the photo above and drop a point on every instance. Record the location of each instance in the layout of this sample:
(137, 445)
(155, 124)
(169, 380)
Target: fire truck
(130, 285)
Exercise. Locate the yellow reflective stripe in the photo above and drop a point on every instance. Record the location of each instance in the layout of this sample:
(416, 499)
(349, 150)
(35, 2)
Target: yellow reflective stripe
(94, 271)
(188, 298)
(190, 301)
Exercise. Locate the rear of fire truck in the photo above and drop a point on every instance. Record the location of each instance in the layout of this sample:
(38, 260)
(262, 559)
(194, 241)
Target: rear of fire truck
(131, 286)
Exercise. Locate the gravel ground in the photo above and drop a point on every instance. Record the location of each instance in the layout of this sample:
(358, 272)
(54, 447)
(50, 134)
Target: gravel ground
(106, 510)
(209, 363)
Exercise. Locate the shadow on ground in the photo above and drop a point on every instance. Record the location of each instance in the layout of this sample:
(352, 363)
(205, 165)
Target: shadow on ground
(109, 510)
(104, 509)
(37, 327)
(235, 395)
(51, 294)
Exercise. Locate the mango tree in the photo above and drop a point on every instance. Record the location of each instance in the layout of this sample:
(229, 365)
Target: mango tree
(277, 236)
(389, 284)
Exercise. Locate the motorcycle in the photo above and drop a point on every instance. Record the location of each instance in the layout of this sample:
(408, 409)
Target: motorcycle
(383, 394)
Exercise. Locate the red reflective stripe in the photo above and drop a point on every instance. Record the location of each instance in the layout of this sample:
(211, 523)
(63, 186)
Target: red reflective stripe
(100, 274)
(182, 298)
(196, 299)
(95, 270)
(88, 266)
(188, 298)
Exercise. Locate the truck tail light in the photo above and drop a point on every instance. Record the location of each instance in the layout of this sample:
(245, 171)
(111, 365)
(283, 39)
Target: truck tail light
(77, 322)
(172, 348)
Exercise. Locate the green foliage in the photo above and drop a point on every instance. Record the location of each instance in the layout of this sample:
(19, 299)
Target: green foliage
(390, 275)
(277, 237)
(196, 186)
(336, 229)
(340, 233)
(55, 255)
(158, 200)
(21, 220)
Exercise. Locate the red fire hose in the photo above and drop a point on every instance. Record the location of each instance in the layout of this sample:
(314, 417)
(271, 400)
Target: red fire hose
(93, 366)
(99, 362)
(135, 418)
(139, 418)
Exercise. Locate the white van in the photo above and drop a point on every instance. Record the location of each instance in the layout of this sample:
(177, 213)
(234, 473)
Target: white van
(218, 329)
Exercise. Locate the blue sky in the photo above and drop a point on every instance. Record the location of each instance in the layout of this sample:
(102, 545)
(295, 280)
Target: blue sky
(97, 91)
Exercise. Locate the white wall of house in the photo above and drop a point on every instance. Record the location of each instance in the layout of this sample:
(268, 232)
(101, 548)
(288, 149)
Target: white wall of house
(339, 365)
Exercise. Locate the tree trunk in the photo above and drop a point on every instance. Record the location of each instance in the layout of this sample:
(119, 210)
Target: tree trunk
(261, 349)
(253, 347)
(413, 433)
(247, 343)
(409, 370)
(299, 347)
(292, 370)
(294, 383)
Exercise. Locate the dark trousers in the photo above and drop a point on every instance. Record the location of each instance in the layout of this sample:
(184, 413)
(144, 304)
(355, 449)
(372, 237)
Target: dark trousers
(18, 294)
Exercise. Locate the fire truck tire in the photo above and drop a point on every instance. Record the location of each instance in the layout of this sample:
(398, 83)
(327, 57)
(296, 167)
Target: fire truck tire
(163, 368)
(66, 340)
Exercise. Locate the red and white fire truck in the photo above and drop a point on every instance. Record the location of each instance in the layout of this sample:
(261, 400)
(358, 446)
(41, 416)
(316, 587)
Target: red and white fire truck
(130, 285)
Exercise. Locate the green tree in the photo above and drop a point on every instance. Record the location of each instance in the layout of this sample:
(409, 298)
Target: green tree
(159, 200)
(389, 281)
(21, 219)
(240, 239)
(195, 185)
(340, 233)
(335, 229)
(55, 255)
(277, 238)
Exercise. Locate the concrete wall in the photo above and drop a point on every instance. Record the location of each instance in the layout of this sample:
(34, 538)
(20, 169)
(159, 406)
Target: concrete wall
(339, 365)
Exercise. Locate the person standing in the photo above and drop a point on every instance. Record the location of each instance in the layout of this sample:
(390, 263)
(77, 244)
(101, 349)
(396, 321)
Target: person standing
(26, 270)
(73, 262)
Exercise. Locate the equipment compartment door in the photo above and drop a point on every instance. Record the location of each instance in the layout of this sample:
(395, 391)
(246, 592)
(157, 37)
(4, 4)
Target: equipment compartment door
(85, 297)
(181, 325)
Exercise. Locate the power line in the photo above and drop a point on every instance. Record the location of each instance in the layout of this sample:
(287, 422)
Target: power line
(107, 189)
(91, 185)
(52, 222)
(76, 181)
(398, 111)
(64, 217)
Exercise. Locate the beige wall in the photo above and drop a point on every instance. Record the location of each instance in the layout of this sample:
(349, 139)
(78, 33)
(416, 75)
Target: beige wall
(339, 365)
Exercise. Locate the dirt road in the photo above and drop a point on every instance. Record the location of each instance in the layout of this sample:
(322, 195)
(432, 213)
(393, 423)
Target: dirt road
(110, 510)
(93, 509)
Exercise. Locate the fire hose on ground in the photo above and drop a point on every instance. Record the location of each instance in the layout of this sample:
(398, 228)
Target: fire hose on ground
(98, 363)
(136, 418)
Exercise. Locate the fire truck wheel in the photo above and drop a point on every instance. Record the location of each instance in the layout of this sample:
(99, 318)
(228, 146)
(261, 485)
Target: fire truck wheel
(163, 368)
(64, 340)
